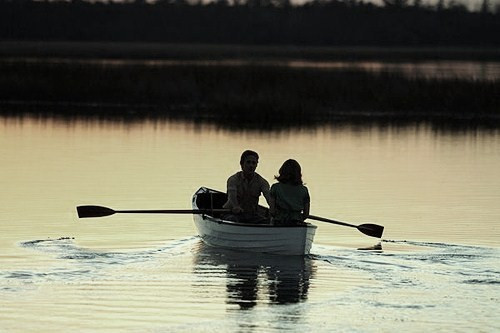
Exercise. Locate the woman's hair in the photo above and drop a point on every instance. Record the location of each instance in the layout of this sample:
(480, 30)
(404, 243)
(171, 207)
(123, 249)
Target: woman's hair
(290, 173)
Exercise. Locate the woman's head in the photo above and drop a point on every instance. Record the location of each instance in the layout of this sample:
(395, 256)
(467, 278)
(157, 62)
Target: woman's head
(290, 173)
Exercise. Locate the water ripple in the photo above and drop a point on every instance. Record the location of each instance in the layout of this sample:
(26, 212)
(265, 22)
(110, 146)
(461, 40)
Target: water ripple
(479, 281)
(78, 263)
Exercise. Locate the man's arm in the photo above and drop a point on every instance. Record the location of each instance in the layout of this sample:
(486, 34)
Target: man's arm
(232, 196)
(265, 191)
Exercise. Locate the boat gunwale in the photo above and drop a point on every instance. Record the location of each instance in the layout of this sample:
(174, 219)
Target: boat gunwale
(206, 217)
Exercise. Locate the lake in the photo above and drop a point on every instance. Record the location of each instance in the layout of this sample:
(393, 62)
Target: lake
(435, 189)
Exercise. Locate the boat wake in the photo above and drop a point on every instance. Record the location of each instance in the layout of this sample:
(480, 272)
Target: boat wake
(428, 244)
(427, 278)
(70, 262)
(65, 248)
(462, 264)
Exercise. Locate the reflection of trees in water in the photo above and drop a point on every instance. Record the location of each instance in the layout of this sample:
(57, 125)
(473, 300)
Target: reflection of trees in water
(250, 276)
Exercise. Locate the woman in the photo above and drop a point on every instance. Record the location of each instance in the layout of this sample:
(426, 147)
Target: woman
(290, 201)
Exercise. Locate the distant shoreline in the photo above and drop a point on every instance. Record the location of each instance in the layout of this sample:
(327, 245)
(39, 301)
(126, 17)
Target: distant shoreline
(133, 50)
(315, 23)
(249, 95)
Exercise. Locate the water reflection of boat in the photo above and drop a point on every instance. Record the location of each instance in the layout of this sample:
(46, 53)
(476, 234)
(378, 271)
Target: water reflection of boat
(256, 277)
(215, 231)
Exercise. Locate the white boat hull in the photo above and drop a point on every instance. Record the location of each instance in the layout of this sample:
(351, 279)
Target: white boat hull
(295, 240)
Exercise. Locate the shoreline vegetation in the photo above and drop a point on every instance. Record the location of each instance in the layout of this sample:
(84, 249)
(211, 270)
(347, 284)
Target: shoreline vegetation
(112, 50)
(408, 23)
(245, 96)
(75, 58)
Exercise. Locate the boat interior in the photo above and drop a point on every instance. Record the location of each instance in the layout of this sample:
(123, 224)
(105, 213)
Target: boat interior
(215, 200)
(211, 200)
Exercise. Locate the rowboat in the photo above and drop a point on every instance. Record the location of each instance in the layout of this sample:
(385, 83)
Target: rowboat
(215, 231)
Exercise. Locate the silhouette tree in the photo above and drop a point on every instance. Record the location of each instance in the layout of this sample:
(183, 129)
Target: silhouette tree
(320, 22)
(440, 6)
(395, 3)
(485, 7)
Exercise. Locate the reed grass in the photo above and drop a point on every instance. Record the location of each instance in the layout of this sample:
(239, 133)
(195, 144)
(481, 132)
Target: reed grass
(239, 94)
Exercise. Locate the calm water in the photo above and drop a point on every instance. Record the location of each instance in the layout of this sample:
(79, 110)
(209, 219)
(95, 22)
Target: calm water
(436, 192)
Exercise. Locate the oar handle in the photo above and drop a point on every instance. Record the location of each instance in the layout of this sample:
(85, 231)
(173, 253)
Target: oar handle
(319, 218)
(174, 211)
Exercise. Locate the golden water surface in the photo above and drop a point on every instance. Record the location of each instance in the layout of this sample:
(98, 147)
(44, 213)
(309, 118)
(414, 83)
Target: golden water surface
(428, 187)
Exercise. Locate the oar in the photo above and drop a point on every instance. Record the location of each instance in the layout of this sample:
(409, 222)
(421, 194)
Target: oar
(369, 229)
(99, 211)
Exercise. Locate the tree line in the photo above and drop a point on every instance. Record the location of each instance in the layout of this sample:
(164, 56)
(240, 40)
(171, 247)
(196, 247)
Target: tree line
(263, 22)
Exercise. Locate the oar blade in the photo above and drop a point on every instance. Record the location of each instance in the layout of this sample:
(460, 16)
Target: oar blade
(93, 211)
(373, 230)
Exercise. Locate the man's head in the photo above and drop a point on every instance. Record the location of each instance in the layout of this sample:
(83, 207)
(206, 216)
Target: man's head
(248, 161)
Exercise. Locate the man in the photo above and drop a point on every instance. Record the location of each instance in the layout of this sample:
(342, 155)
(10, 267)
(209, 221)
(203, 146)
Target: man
(244, 189)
